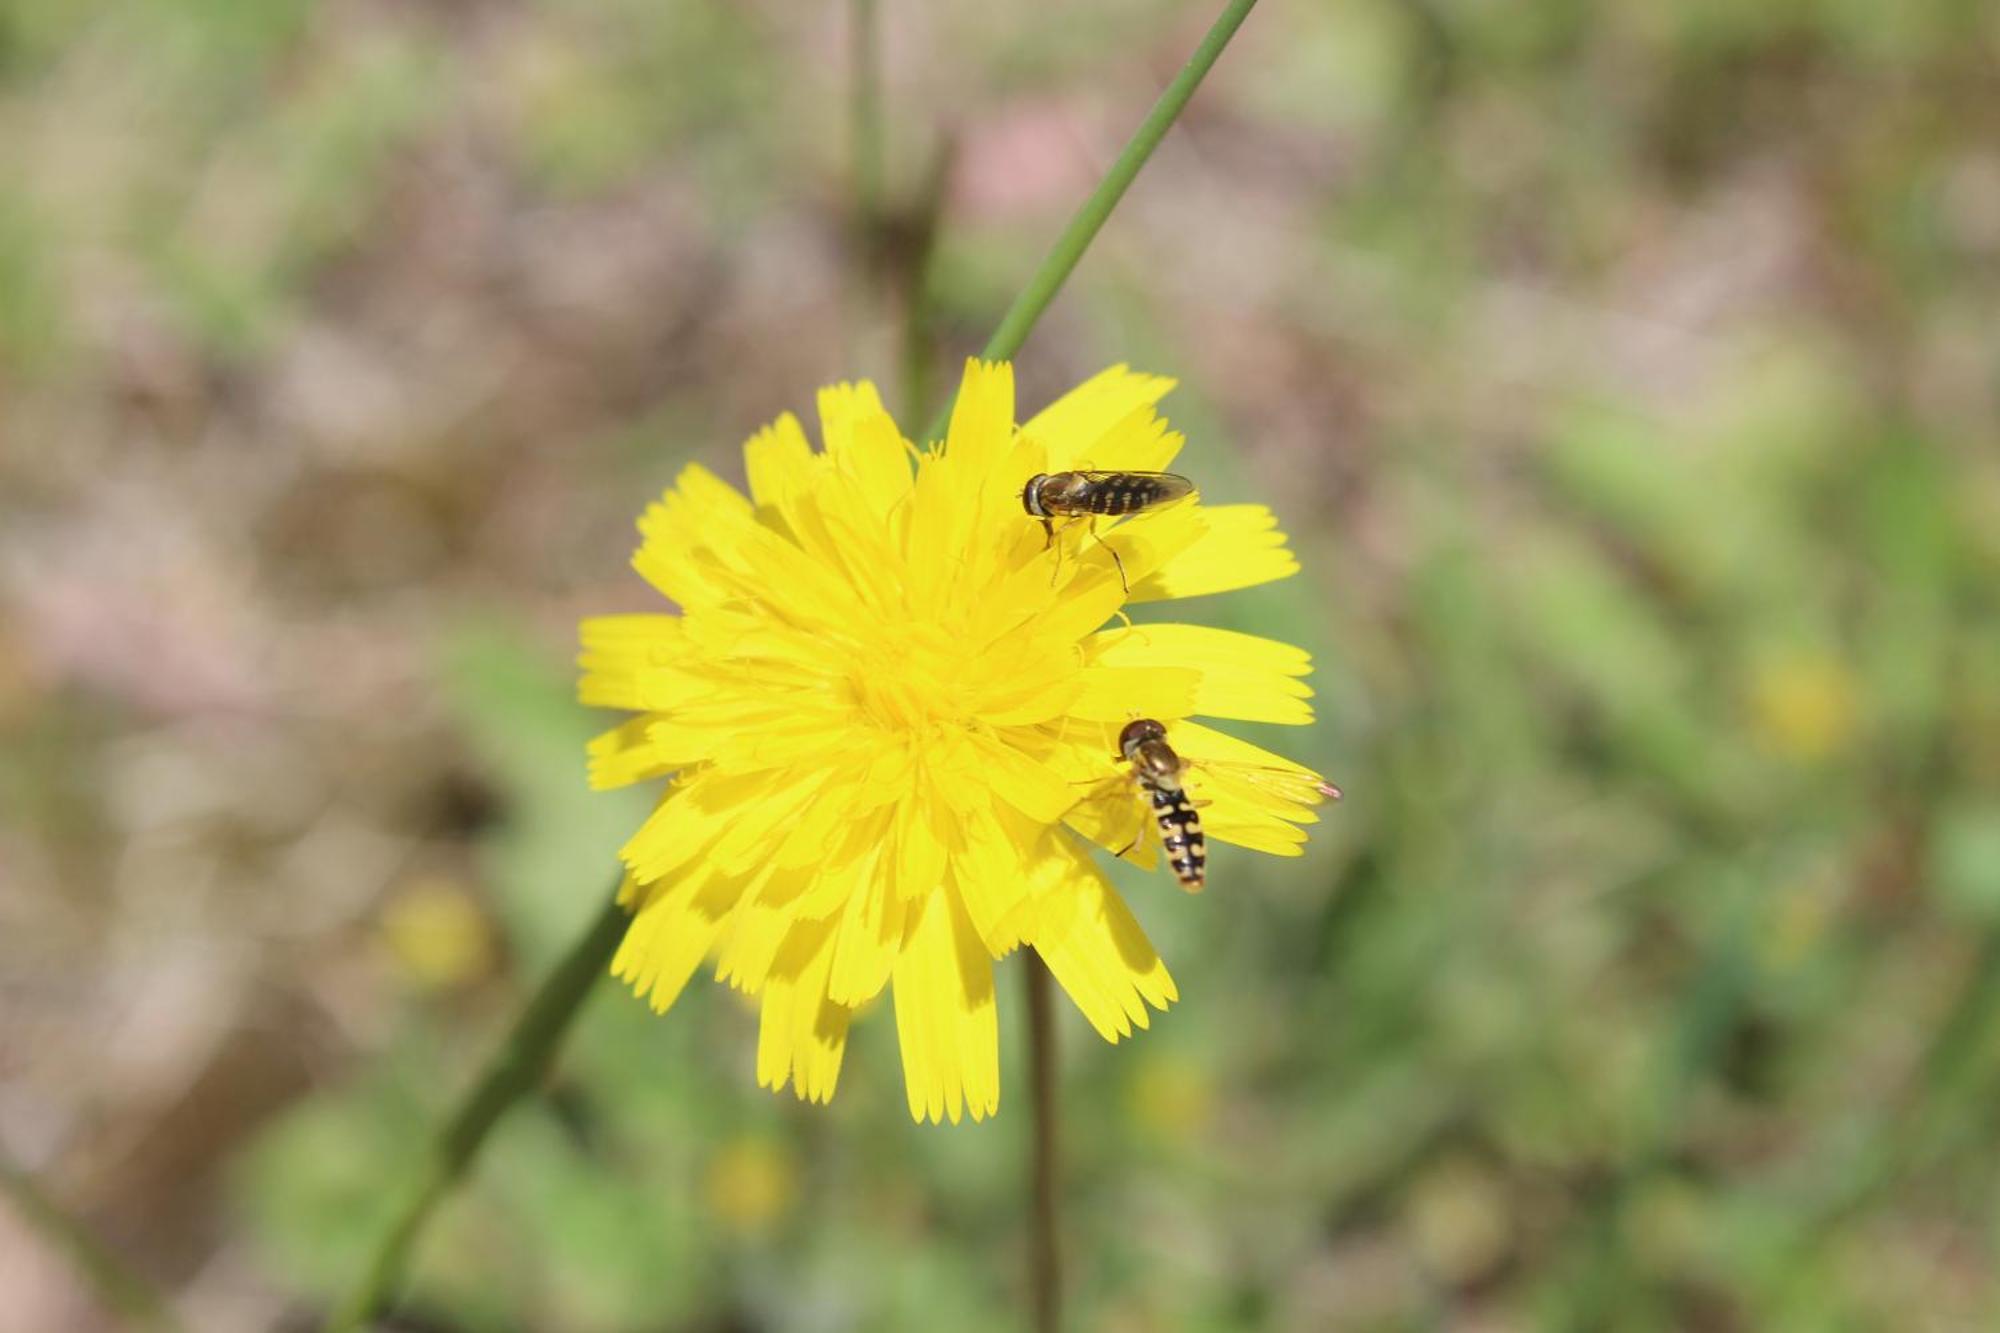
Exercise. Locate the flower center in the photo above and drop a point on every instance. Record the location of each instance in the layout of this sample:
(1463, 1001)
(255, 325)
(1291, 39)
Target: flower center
(914, 679)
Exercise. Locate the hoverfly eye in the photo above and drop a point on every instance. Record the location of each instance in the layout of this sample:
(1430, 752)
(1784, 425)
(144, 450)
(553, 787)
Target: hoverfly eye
(1030, 499)
(1137, 733)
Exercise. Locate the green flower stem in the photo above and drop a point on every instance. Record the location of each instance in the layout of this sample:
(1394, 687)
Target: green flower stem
(122, 1291)
(912, 279)
(1045, 1238)
(515, 1070)
(1090, 219)
(865, 112)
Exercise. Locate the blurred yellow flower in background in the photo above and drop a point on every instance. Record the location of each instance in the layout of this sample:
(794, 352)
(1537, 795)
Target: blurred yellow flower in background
(1171, 1098)
(751, 1183)
(889, 713)
(1804, 706)
(436, 934)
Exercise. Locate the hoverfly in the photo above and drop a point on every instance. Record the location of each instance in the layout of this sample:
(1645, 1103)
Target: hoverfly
(1048, 496)
(1157, 771)
(1160, 774)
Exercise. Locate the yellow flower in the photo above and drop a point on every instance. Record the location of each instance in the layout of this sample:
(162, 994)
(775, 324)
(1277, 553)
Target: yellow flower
(436, 934)
(1804, 706)
(890, 719)
(751, 1182)
(1172, 1099)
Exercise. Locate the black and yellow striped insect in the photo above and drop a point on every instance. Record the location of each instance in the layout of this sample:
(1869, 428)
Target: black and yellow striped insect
(1162, 774)
(1049, 496)
(1052, 495)
(1157, 770)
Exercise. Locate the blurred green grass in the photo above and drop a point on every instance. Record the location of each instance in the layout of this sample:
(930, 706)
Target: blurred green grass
(1625, 376)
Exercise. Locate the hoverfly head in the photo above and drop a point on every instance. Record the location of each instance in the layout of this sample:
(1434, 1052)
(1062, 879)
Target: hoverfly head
(1031, 496)
(1137, 734)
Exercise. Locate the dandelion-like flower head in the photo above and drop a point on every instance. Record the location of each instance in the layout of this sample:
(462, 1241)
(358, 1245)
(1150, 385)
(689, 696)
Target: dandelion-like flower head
(889, 714)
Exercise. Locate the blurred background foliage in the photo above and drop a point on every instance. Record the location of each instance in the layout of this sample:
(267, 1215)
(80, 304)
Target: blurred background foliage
(1627, 375)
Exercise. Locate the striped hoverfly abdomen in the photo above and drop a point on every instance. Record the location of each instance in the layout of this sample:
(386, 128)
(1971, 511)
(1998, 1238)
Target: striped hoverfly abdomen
(1157, 771)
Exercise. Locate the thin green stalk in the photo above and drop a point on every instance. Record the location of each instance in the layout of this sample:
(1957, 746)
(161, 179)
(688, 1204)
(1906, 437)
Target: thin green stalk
(515, 1070)
(1090, 219)
(865, 113)
(913, 280)
(1045, 1238)
(122, 1291)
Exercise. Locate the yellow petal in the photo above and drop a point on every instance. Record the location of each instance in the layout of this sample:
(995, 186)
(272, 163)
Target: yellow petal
(937, 527)
(1144, 544)
(945, 1018)
(1039, 689)
(841, 408)
(1101, 956)
(1241, 548)
(922, 858)
(1120, 826)
(670, 936)
(1073, 427)
(811, 837)
(867, 940)
(780, 465)
(861, 536)
(1242, 676)
(1083, 608)
(609, 683)
(758, 825)
(632, 640)
(695, 811)
(1023, 782)
(801, 1033)
(625, 755)
(1142, 442)
(982, 419)
(1257, 832)
(992, 872)
(1115, 816)
(1120, 693)
(760, 923)
(878, 459)
(1193, 741)
(850, 868)
(686, 532)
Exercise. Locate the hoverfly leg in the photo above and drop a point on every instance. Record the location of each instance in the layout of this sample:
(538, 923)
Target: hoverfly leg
(1138, 833)
(1122, 581)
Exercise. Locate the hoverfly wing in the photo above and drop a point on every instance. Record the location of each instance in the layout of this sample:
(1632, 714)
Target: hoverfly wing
(1295, 786)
